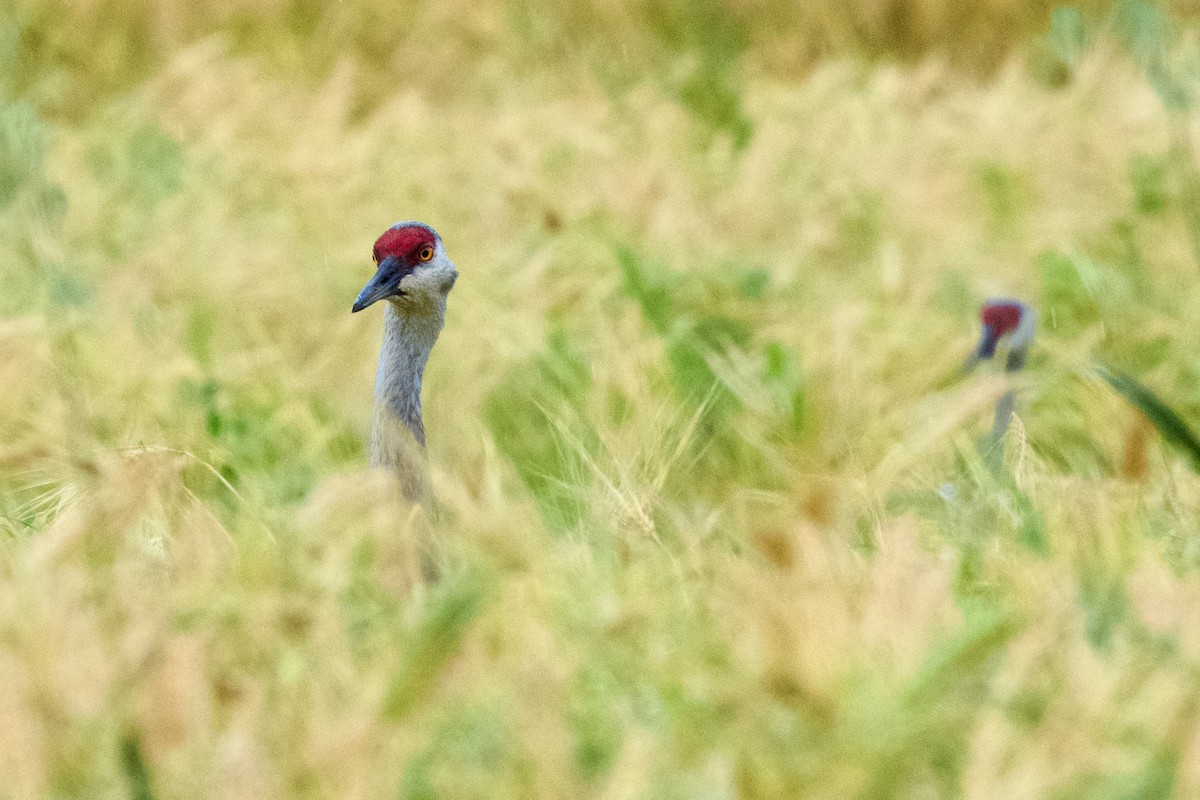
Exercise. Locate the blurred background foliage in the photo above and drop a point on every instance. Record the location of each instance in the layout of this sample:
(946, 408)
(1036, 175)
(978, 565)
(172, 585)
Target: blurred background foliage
(68, 54)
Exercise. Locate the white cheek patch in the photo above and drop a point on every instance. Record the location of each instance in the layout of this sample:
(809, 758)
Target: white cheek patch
(1023, 335)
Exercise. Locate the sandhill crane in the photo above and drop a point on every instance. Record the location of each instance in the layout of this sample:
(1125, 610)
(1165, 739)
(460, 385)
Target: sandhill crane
(1011, 323)
(414, 275)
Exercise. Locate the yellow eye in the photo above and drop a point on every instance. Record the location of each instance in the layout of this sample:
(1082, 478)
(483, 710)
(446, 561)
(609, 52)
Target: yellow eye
(375, 258)
(426, 253)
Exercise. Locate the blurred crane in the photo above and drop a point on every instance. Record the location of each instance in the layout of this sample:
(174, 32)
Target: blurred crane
(1009, 324)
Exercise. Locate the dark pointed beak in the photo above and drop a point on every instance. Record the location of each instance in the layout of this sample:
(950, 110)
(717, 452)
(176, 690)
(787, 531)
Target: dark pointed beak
(983, 351)
(386, 283)
(987, 343)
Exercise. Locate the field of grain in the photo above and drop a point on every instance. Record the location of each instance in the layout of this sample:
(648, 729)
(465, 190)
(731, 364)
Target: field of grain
(714, 521)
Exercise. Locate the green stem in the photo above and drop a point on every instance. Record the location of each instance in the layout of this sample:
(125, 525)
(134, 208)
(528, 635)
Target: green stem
(1185, 157)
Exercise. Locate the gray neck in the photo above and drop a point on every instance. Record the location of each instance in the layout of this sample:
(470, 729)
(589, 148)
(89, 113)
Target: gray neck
(409, 333)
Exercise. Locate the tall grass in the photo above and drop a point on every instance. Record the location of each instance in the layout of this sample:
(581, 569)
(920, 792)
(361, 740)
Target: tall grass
(713, 520)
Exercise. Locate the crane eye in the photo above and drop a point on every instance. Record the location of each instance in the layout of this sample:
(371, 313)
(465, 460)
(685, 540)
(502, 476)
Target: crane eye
(426, 253)
(375, 258)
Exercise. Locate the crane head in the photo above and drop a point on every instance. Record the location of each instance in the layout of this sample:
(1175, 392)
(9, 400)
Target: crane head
(413, 270)
(1008, 321)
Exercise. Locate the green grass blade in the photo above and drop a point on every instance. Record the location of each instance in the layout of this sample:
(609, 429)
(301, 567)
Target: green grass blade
(1164, 418)
(452, 609)
(136, 771)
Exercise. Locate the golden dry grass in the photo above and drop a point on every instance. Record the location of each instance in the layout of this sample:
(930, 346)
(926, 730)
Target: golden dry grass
(714, 520)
